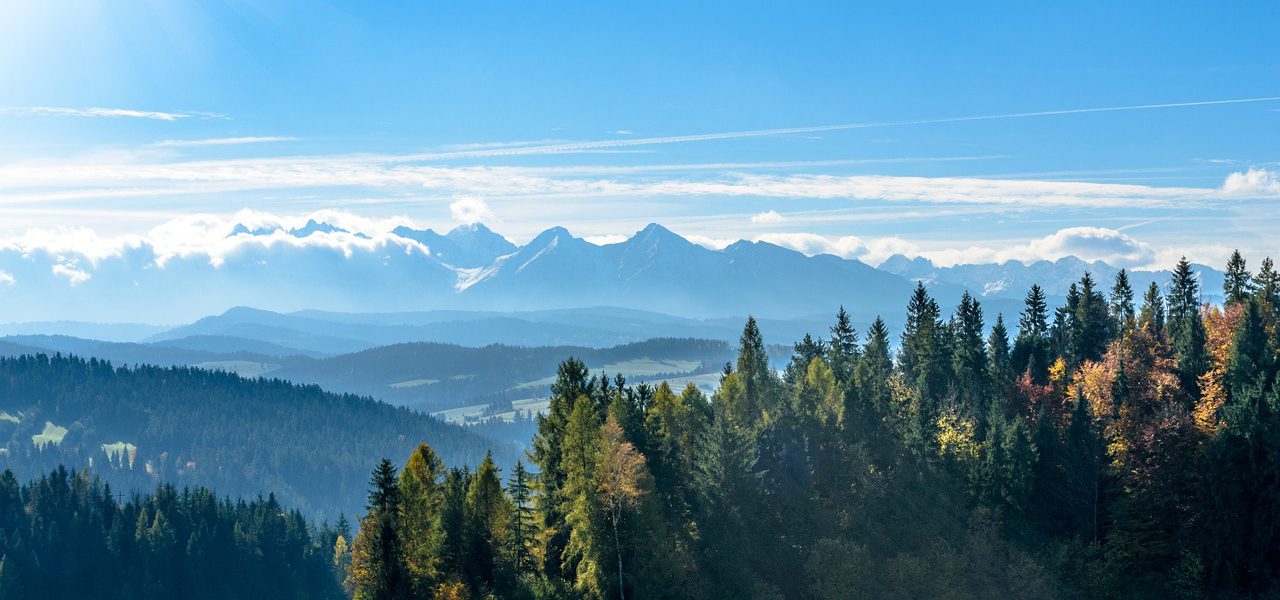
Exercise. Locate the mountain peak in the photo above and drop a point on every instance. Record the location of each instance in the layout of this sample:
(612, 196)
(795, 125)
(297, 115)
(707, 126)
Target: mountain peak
(654, 234)
(550, 235)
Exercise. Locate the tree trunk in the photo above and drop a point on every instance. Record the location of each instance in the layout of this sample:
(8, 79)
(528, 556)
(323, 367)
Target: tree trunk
(617, 546)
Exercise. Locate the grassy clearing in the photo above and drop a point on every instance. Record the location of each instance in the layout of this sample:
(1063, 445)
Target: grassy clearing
(412, 383)
(243, 368)
(52, 434)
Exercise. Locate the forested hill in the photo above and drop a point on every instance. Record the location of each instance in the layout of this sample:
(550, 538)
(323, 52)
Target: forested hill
(139, 426)
(1125, 446)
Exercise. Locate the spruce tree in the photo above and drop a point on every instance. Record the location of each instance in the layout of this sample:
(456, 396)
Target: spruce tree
(1237, 284)
(523, 525)
(487, 515)
(1267, 286)
(1186, 330)
(757, 378)
(842, 352)
(1030, 348)
(1090, 323)
(969, 355)
(1152, 316)
(1122, 308)
(378, 562)
(1000, 368)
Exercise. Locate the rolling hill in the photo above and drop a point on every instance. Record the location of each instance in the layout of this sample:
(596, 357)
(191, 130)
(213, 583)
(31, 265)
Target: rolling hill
(137, 426)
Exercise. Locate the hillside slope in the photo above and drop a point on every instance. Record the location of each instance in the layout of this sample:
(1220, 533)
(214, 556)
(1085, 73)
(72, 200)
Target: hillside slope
(137, 426)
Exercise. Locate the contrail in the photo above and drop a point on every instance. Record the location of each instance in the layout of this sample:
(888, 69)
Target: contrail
(729, 135)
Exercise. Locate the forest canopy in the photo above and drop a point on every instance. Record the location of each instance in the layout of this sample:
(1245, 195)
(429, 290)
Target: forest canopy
(1123, 445)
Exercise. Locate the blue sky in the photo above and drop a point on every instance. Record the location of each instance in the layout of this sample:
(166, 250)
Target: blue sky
(117, 119)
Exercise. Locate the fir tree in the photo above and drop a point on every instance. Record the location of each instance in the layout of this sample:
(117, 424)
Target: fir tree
(842, 350)
(1237, 284)
(1122, 307)
(1152, 318)
(1186, 330)
(523, 524)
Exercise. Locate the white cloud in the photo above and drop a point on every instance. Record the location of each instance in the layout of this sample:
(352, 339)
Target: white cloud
(225, 141)
(62, 111)
(768, 216)
(45, 181)
(1087, 243)
(72, 272)
(869, 250)
(602, 240)
(6, 278)
(1255, 182)
(470, 209)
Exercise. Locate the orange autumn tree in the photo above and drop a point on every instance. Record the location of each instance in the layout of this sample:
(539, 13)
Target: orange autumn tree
(1220, 328)
(622, 481)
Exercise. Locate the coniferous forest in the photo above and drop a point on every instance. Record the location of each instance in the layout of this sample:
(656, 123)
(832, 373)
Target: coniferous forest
(1123, 445)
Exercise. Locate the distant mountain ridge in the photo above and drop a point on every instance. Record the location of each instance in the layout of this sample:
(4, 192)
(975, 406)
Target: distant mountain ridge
(1012, 279)
(325, 267)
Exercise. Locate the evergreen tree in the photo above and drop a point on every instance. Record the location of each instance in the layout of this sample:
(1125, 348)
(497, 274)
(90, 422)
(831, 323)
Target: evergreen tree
(969, 355)
(1237, 285)
(1122, 308)
(1186, 330)
(1267, 286)
(923, 358)
(1000, 369)
(842, 352)
(804, 352)
(488, 514)
(1090, 323)
(584, 552)
(758, 379)
(378, 564)
(1031, 347)
(1152, 316)
(523, 524)
(422, 491)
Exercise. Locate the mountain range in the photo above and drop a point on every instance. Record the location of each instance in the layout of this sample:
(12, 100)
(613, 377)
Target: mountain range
(324, 267)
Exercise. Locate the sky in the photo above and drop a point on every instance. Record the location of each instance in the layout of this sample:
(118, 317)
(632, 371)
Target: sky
(1130, 132)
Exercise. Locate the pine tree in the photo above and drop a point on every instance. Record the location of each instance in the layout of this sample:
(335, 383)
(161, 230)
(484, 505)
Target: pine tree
(1152, 316)
(1186, 330)
(523, 525)
(1266, 286)
(842, 353)
(758, 379)
(969, 355)
(378, 564)
(1251, 363)
(584, 552)
(804, 352)
(1000, 367)
(1031, 347)
(1090, 323)
(1237, 284)
(487, 514)
(870, 400)
(1122, 308)
(923, 359)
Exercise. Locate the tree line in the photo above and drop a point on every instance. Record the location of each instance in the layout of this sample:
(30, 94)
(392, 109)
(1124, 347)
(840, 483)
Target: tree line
(68, 535)
(1116, 446)
(137, 426)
